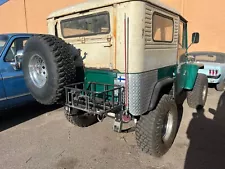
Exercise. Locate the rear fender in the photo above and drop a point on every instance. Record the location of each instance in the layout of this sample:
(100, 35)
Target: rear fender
(164, 86)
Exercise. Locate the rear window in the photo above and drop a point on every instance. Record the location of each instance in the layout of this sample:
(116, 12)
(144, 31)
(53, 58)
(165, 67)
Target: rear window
(216, 58)
(162, 28)
(86, 25)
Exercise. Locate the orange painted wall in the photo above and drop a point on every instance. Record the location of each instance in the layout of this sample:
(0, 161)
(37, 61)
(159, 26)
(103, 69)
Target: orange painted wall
(176, 4)
(38, 10)
(12, 14)
(206, 18)
(12, 17)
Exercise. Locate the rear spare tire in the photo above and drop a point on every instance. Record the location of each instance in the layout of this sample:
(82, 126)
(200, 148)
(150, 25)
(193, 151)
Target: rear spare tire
(48, 65)
(196, 98)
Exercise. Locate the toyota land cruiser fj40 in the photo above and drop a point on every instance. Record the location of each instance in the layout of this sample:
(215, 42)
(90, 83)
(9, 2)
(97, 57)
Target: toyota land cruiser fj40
(126, 59)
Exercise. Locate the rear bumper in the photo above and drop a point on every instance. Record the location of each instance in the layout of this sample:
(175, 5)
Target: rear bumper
(211, 79)
(214, 79)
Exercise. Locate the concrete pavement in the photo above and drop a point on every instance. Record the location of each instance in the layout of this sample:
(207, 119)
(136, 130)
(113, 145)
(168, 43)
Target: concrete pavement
(44, 139)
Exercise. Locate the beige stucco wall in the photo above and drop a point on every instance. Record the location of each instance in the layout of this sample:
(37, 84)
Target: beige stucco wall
(206, 18)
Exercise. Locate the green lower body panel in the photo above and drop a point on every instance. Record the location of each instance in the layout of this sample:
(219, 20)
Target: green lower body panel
(166, 72)
(139, 86)
(109, 76)
(99, 76)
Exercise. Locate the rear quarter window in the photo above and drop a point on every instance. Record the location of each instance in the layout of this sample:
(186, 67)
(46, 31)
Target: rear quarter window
(163, 28)
(88, 25)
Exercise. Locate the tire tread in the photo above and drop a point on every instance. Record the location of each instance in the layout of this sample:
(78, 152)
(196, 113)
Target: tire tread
(147, 136)
(65, 63)
(194, 97)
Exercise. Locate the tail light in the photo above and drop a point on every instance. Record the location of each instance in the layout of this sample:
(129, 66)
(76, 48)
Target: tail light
(216, 72)
(213, 72)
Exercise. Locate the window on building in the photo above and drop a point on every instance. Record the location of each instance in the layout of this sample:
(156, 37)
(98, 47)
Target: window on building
(162, 28)
(18, 44)
(86, 25)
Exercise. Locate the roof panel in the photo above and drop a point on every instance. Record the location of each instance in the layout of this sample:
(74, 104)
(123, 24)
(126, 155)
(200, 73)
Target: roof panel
(92, 4)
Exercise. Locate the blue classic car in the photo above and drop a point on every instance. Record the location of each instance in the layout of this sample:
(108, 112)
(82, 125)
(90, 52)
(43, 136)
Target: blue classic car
(13, 91)
(214, 67)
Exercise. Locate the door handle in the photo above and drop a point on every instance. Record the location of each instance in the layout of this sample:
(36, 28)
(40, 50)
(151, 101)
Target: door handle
(108, 45)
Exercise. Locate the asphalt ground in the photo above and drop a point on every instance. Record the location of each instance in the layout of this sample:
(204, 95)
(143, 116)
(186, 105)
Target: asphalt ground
(39, 137)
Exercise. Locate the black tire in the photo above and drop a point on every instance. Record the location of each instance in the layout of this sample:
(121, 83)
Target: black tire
(60, 66)
(197, 97)
(220, 86)
(80, 118)
(149, 129)
(181, 98)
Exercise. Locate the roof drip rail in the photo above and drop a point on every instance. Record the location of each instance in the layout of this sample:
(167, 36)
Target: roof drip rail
(82, 12)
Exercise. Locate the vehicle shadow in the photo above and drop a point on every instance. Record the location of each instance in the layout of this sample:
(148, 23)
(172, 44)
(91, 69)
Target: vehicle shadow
(18, 115)
(207, 139)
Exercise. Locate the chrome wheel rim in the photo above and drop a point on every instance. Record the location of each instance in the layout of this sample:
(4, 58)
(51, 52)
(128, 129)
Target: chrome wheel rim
(167, 127)
(38, 71)
(204, 93)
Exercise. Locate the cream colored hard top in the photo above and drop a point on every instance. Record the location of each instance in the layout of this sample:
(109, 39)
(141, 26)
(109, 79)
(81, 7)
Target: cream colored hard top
(93, 4)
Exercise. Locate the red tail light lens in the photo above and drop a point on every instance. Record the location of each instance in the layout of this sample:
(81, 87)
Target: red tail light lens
(216, 72)
(213, 72)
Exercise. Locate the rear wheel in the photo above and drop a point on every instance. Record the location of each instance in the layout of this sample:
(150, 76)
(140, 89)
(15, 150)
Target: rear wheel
(156, 131)
(80, 118)
(196, 98)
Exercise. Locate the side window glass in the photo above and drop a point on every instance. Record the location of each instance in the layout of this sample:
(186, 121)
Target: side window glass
(162, 28)
(18, 44)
